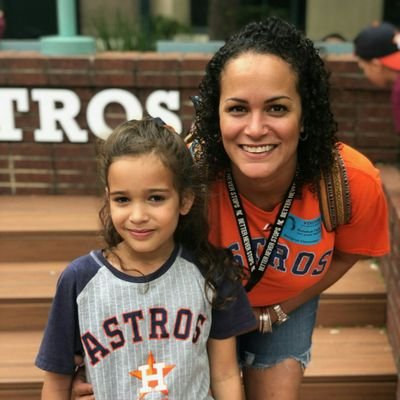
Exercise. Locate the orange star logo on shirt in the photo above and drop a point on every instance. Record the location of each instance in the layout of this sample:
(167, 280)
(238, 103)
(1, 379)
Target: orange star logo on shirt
(152, 376)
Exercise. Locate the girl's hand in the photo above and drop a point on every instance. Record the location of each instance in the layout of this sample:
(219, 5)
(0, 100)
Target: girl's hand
(224, 370)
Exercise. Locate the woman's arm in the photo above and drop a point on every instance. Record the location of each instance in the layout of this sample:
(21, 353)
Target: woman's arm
(224, 369)
(81, 390)
(341, 263)
(56, 387)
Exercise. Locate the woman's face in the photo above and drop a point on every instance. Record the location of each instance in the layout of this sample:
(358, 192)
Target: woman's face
(260, 116)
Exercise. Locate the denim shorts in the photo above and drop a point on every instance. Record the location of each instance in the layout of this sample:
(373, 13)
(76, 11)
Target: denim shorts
(292, 339)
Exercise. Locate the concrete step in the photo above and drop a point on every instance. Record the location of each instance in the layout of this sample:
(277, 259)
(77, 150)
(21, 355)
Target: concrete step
(347, 364)
(358, 299)
(48, 228)
(27, 289)
(26, 292)
(350, 364)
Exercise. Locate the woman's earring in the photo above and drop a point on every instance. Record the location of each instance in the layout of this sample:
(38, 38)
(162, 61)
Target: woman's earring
(303, 136)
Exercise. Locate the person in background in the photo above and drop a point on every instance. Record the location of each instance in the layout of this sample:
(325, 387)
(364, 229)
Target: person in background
(265, 134)
(156, 312)
(334, 37)
(377, 50)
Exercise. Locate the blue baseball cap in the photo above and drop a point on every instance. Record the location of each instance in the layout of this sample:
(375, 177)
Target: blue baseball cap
(379, 41)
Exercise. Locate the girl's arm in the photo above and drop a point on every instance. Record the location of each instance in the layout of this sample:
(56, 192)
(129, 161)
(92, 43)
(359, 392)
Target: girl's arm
(224, 369)
(56, 387)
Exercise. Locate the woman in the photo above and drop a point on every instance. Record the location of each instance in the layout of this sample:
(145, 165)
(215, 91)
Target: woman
(265, 132)
(265, 117)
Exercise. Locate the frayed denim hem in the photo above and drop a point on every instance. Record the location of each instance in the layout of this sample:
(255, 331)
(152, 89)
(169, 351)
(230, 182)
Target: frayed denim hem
(249, 362)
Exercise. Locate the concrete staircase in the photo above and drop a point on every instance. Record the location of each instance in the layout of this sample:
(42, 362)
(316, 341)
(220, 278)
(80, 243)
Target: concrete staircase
(352, 358)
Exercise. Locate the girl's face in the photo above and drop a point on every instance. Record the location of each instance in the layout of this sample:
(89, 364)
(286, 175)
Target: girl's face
(260, 116)
(145, 206)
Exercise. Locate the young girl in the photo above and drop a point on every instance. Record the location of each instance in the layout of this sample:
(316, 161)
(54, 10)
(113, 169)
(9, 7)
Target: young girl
(156, 312)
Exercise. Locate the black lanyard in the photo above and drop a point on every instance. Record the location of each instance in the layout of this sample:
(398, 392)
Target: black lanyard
(257, 270)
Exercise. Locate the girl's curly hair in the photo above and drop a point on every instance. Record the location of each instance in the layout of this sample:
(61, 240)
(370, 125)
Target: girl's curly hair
(150, 136)
(277, 37)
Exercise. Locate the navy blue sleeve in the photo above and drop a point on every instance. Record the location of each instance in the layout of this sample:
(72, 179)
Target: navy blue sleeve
(235, 318)
(61, 340)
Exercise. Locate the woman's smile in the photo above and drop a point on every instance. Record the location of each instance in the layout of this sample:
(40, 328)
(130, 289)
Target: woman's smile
(258, 149)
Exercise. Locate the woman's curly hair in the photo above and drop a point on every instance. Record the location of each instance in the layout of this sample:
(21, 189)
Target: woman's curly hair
(150, 136)
(277, 37)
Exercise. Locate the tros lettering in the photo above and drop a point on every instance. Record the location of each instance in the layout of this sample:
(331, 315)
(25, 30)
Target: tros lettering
(184, 327)
(305, 262)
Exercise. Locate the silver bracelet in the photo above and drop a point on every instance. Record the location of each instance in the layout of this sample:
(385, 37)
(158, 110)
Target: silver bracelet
(265, 323)
(281, 315)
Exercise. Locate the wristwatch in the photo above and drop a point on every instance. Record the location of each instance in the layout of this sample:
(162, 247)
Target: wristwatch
(282, 317)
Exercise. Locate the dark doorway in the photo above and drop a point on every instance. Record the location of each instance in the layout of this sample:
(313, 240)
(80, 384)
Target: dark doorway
(29, 19)
(391, 11)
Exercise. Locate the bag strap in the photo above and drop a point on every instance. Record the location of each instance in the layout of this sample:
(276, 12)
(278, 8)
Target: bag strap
(334, 195)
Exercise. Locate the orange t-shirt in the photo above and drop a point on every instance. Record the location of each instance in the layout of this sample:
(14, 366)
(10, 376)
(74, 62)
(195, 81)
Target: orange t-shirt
(304, 250)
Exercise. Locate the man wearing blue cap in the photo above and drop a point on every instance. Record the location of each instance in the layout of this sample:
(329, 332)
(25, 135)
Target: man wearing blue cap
(377, 50)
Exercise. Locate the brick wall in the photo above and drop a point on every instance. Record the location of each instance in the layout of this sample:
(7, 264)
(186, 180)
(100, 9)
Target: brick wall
(29, 167)
(363, 112)
(390, 264)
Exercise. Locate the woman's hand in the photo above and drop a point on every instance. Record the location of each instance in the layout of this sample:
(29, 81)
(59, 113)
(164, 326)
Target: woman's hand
(81, 390)
(341, 263)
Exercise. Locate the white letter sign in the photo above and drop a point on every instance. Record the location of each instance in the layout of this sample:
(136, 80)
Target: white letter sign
(62, 106)
(7, 120)
(98, 103)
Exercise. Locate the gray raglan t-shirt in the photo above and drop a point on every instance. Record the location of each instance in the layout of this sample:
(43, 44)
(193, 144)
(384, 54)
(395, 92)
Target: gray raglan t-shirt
(143, 337)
